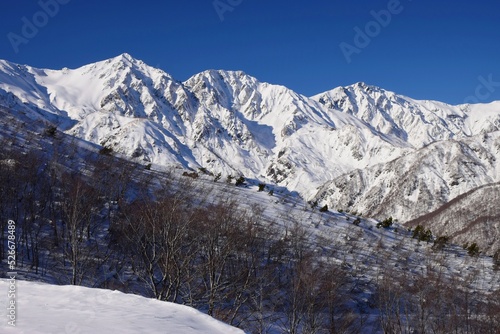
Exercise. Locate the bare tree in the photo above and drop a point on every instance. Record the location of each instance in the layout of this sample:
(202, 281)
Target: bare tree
(79, 209)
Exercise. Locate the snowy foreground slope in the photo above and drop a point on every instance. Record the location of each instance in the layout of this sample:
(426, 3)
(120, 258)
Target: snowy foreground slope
(44, 308)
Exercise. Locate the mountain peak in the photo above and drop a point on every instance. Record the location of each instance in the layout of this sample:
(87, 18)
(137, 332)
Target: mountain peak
(222, 78)
(360, 84)
(124, 58)
(127, 56)
(363, 86)
(126, 63)
(222, 74)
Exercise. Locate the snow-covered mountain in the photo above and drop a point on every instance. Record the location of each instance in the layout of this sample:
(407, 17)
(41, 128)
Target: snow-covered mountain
(224, 121)
(418, 123)
(469, 218)
(418, 182)
(363, 147)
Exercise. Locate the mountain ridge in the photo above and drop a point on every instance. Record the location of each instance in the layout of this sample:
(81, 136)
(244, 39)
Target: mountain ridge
(229, 122)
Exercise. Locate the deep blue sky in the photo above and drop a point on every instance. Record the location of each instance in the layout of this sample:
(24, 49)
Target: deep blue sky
(441, 50)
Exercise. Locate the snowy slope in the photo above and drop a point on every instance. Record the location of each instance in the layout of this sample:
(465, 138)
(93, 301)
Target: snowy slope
(468, 218)
(44, 308)
(419, 182)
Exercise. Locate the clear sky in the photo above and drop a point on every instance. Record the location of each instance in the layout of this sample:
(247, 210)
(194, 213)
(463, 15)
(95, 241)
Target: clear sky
(440, 50)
